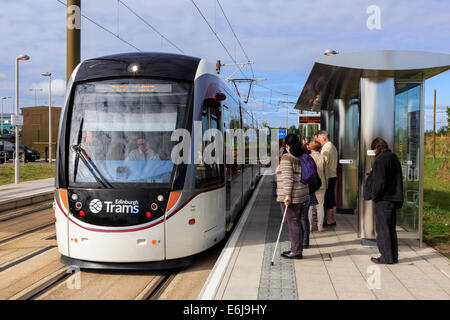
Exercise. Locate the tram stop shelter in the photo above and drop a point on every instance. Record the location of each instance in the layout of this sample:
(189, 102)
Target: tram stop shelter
(364, 95)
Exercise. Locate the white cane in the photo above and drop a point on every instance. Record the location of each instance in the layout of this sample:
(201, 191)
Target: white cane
(279, 233)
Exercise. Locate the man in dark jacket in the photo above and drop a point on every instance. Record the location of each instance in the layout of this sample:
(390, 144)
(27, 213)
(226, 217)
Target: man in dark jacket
(385, 185)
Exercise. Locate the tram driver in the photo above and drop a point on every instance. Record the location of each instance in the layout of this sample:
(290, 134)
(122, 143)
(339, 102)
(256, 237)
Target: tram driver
(143, 152)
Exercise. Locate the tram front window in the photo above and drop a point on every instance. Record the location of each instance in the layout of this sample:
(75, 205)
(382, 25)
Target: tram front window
(120, 131)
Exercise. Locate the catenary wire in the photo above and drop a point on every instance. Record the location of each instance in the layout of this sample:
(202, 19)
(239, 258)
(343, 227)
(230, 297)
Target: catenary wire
(150, 26)
(234, 33)
(218, 38)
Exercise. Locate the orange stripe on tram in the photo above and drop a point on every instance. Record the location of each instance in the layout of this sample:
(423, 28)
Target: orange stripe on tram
(173, 198)
(64, 198)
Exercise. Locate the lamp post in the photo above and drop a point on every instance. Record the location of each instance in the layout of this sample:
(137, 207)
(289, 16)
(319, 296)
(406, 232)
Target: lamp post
(330, 52)
(35, 94)
(3, 98)
(23, 57)
(49, 75)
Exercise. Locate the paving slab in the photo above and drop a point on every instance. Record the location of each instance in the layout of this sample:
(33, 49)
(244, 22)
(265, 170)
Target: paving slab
(335, 267)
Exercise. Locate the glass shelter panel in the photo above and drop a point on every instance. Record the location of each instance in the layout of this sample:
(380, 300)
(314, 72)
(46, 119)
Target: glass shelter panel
(406, 147)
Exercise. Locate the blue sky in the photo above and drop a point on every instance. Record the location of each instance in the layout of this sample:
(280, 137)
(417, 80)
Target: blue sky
(281, 37)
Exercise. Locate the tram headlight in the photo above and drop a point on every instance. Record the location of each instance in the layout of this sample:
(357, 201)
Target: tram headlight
(160, 198)
(74, 197)
(133, 68)
(154, 206)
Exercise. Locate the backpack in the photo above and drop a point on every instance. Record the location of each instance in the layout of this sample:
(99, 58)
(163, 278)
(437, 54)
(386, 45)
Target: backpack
(309, 173)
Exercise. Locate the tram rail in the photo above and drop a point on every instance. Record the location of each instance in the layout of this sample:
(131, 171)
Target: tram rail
(22, 214)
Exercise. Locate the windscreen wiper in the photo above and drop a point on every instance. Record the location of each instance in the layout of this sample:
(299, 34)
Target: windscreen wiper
(77, 158)
(81, 153)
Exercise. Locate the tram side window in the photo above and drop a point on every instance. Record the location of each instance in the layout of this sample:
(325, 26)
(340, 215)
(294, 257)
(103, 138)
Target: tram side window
(209, 174)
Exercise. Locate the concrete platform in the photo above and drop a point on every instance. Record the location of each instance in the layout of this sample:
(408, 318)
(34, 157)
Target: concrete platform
(335, 267)
(26, 193)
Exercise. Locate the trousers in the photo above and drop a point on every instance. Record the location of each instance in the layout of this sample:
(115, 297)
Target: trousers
(305, 223)
(293, 221)
(385, 222)
(320, 195)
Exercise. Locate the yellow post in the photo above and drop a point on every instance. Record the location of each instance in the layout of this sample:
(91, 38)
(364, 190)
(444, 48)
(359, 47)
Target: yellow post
(73, 36)
(434, 127)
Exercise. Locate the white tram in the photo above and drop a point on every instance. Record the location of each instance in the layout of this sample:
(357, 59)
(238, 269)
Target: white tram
(121, 201)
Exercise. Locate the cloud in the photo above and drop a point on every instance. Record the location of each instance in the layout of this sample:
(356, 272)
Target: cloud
(281, 37)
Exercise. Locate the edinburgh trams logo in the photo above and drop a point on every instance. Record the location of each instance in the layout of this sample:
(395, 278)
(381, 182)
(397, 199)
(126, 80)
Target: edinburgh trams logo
(116, 206)
(95, 206)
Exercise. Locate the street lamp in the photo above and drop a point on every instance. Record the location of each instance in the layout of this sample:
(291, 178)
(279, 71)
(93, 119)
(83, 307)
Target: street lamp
(23, 57)
(49, 75)
(35, 96)
(3, 98)
(330, 52)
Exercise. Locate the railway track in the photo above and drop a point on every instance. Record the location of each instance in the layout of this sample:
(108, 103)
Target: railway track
(17, 223)
(61, 282)
(66, 282)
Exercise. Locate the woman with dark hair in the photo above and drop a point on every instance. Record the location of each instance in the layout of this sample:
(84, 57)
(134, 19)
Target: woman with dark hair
(292, 194)
(385, 187)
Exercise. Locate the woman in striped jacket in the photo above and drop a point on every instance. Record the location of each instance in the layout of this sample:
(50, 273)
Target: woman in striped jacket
(292, 193)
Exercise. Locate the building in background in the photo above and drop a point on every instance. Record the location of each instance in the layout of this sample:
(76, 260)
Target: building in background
(35, 128)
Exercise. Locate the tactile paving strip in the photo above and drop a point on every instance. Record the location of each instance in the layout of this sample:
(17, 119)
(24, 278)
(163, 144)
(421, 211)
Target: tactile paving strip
(278, 281)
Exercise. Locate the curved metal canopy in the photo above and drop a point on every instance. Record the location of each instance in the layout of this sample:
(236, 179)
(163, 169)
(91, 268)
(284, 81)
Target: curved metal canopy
(395, 63)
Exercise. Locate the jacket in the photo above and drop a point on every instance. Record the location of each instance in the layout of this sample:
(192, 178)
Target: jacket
(329, 152)
(289, 173)
(321, 168)
(385, 181)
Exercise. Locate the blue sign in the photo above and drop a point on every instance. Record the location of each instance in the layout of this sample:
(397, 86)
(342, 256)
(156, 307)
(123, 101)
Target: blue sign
(281, 133)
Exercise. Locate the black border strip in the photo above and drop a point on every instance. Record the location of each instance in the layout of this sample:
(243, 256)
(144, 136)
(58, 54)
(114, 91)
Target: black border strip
(28, 257)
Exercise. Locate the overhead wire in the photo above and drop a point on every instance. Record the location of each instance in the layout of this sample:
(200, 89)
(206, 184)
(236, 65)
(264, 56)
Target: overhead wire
(174, 45)
(217, 36)
(234, 33)
(151, 27)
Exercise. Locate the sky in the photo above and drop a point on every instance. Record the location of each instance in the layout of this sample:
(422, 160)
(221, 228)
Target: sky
(282, 38)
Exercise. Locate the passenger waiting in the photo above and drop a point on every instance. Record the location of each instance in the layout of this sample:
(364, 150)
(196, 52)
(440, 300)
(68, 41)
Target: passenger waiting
(291, 192)
(320, 194)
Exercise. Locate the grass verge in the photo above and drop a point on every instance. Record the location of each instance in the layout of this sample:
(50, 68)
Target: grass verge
(28, 172)
(436, 204)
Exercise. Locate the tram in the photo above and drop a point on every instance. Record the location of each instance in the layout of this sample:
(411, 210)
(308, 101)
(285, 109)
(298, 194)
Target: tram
(121, 200)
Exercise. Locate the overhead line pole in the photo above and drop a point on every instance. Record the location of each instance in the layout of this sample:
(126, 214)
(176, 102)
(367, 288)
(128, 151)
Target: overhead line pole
(434, 127)
(73, 45)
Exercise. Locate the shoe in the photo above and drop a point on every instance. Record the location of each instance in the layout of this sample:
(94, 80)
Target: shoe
(326, 224)
(290, 255)
(286, 252)
(333, 223)
(378, 261)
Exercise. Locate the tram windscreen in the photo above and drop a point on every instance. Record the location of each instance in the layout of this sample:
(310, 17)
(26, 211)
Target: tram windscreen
(120, 130)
